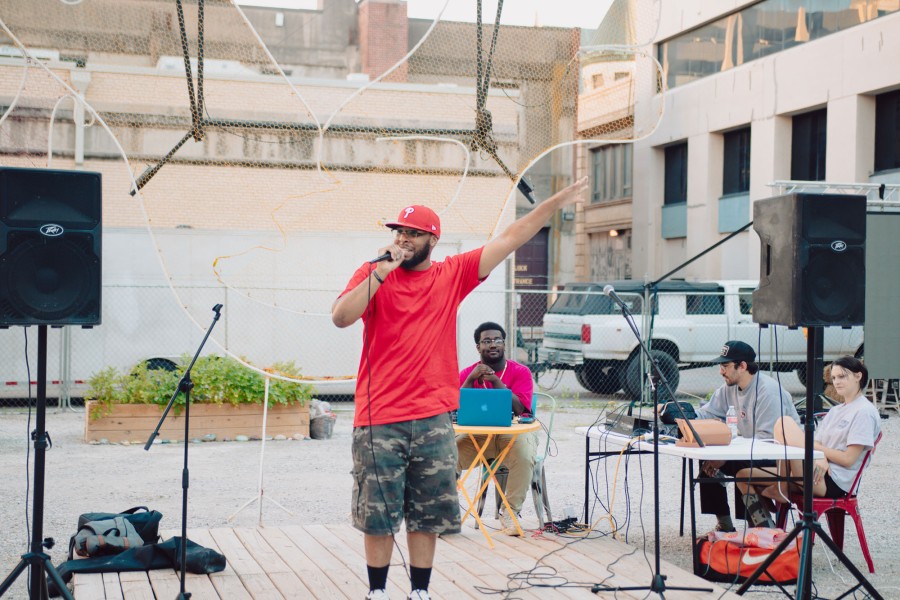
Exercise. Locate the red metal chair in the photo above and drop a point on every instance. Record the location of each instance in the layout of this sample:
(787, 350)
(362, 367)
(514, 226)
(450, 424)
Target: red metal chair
(835, 509)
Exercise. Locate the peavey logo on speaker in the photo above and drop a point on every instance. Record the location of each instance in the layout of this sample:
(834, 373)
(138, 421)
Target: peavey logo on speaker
(52, 230)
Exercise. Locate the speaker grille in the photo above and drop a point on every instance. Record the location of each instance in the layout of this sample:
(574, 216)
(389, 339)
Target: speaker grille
(50, 279)
(834, 287)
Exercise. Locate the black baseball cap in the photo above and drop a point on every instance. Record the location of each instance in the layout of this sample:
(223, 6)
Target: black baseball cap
(735, 351)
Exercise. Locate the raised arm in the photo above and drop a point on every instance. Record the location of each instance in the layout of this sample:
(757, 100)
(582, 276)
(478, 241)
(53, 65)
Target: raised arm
(523, 229)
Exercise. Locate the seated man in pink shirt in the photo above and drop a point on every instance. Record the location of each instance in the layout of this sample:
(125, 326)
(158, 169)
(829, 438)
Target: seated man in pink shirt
(494, 370)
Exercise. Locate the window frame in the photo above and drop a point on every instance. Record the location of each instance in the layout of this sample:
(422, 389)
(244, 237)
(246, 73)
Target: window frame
(809, 145)
(887, 131)
(736, 161)
(611, 173)
(676, 175)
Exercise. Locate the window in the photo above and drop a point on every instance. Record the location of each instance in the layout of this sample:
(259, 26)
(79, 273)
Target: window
(611, 172)
(745, 300)
(736, 168)
(597, 80)
(594, 302)
(887, 131)
(759, 30)
(676, 174)
(706, 304)
(808, 146)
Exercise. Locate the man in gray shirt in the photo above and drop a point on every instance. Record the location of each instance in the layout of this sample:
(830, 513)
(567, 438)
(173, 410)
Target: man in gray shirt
(758, 401)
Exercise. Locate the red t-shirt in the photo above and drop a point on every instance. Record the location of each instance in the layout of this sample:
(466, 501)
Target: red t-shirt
(411, 348)
(516, 377)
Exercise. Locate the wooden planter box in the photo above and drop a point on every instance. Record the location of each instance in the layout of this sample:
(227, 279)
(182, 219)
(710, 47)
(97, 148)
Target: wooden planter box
(135, 422)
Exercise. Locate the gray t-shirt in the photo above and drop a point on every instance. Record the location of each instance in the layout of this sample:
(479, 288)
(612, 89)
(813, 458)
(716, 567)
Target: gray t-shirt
(763, 400)
(853, 424)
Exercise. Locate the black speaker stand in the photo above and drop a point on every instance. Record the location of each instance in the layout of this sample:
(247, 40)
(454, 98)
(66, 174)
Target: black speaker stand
(809, 525)
(38, 560)
(185, 385)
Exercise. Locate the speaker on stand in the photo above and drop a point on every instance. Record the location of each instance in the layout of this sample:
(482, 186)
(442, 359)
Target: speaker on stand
(50, 228)
(812, 260)
(812, 274)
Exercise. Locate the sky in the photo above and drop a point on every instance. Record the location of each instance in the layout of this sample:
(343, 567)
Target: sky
(550, 13)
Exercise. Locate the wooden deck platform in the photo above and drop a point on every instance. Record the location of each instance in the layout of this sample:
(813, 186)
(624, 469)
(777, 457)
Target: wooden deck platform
(326, 561)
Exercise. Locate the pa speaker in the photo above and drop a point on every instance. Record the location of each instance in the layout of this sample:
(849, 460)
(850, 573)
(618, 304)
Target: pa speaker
(812, 260)
(50, 225)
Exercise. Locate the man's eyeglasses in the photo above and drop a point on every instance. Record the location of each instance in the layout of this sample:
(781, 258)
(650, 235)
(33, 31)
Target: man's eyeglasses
(409, 233)
(489, 341)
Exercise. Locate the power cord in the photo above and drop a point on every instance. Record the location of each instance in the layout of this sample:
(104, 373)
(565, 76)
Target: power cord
(366, 346)
(28, 453)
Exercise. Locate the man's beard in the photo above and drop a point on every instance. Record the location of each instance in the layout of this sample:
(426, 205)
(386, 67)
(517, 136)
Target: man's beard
(491, 362)
(417, 258)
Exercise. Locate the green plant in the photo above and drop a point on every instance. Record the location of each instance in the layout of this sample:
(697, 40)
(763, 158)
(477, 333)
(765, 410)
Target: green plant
(217, 380)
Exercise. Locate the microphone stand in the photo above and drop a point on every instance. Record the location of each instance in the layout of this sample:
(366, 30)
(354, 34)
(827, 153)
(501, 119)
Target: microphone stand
(185, 386)
(658, 583)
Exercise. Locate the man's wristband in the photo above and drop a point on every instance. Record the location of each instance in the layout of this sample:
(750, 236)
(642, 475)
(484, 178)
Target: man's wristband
(379, 279)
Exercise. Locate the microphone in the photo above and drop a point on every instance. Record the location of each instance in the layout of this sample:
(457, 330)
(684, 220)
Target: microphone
(526, 189)
(385, 256)
(611, 292)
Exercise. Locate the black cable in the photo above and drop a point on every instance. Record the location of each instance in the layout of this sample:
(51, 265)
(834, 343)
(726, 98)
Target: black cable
(369, 315)
(28, 454)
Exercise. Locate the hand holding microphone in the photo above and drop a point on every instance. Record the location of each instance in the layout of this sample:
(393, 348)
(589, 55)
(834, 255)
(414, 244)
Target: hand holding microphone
(392, 255)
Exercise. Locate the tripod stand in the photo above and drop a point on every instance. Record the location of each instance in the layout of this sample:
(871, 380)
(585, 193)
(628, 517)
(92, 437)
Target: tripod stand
(260, 494)
(809, 526)
(185, 385)
(656, 377)
(37, 560)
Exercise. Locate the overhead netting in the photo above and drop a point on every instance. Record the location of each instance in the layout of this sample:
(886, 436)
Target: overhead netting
(263, 179)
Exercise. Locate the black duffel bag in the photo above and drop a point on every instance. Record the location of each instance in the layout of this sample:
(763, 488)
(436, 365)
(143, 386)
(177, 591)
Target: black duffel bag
(144, 520)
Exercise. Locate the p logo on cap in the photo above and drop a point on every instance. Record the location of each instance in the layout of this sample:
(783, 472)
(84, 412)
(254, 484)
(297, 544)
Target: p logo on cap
(418, 217)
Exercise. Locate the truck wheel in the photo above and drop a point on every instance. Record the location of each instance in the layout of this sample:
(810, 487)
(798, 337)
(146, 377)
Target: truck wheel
(593, 379)
(631, 382)
(801, 375)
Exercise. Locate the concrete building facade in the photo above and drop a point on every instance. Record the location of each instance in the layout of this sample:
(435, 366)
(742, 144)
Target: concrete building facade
(758, 91)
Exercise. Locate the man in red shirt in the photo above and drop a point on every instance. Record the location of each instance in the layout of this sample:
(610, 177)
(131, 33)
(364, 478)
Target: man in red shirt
(496, 371)
(404, 449)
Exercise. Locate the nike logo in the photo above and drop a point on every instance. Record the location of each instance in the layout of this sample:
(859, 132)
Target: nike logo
(753, 560)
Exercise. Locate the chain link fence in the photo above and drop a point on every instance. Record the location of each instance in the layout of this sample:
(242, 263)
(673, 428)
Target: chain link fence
(575, 341)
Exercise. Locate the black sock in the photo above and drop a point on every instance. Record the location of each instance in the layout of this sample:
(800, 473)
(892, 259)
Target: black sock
(419, 577)
(377, 577)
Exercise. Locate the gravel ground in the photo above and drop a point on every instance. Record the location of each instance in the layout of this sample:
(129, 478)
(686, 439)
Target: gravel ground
(311, 479)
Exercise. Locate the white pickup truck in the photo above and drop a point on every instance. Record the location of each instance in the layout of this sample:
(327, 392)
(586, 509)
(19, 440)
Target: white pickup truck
(584, 331)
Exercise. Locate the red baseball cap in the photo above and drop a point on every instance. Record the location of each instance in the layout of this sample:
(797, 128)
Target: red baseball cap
(418, 217)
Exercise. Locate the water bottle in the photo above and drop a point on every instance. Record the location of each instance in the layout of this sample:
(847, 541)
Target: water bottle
(731, 420)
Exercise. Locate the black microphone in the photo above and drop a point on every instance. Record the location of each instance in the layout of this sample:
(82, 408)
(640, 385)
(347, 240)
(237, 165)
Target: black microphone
(611, 292)
(385, 256)
(526, 189)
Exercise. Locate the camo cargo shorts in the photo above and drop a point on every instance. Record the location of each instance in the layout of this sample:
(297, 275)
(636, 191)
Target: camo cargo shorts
(416, 477)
